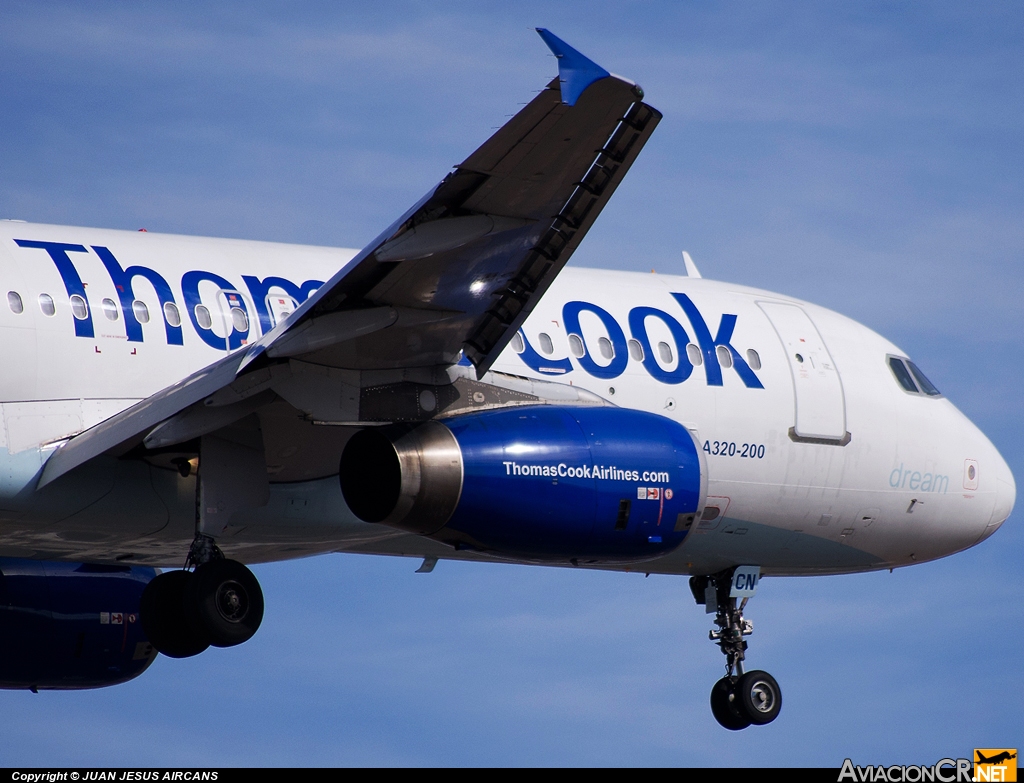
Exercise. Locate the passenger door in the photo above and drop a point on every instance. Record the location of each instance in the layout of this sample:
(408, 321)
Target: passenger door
(820, 404)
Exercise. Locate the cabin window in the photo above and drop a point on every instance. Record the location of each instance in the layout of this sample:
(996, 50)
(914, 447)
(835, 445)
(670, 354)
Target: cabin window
(753, 359)
(239, 320)
(141, 311)
(636, 350)
(171, 314)
(203, 317)
(576, 346)
(46, 304)
(899, 369)
(724, 356)
(109, 309)
(546, 346)
(665, 352)
(695, 355)
(517, 343)
(604, 345)
(79, 308)
(926, 386)
(15, 303)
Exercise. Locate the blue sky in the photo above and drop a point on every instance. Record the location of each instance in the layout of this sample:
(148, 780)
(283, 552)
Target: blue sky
(864, 156)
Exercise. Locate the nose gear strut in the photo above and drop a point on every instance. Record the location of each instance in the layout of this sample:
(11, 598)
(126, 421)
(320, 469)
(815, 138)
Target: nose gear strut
(732, 626)
(740, 698)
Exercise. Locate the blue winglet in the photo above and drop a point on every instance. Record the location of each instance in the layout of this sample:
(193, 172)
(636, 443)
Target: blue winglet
(575, 71)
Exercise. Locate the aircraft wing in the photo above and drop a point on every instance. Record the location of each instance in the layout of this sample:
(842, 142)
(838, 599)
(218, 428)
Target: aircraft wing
(457, 274)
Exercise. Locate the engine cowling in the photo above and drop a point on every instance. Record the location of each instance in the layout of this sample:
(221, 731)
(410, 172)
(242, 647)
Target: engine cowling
(544, 483)
(71, 625)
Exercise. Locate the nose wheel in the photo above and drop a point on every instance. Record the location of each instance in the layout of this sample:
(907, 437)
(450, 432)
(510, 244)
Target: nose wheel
(725, 705)
(739, 699)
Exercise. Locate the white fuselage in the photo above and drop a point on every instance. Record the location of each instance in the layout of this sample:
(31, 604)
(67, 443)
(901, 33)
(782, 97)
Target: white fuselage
(818, 460)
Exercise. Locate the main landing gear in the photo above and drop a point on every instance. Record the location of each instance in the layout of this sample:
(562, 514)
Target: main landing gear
(219, 603)
(740, 698)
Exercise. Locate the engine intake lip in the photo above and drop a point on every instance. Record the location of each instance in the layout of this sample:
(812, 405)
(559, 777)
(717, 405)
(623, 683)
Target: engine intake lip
(406, 476)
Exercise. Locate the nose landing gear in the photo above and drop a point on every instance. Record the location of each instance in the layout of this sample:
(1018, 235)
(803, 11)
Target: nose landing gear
(740, 698)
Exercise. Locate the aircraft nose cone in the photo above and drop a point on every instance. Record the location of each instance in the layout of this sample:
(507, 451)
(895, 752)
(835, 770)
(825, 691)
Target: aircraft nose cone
(1006, 496)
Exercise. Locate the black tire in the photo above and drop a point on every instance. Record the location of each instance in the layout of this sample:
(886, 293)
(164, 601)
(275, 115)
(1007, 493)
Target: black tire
(759, 696)
(162, 613)
(225, 602)
(725, 706)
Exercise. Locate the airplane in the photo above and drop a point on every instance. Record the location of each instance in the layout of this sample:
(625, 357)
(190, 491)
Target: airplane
(996, 759)
(450, 391)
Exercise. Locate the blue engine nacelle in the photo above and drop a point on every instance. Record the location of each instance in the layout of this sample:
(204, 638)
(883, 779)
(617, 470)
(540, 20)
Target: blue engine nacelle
(71, 625)
(541, 482)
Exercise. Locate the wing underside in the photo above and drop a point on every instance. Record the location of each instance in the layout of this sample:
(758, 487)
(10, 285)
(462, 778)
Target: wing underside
(454, 277)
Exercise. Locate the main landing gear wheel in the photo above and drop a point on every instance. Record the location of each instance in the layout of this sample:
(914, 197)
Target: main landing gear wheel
(184, 612)
(224, 602)
(739, 699)
(162, 613)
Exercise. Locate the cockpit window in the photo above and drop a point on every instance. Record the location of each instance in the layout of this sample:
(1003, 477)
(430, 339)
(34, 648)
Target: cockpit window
(906, 373)
(926, 386)
(899, 369)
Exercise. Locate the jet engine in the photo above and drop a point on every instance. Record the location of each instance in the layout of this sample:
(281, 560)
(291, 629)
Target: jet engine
(71, 625)
(544, 483)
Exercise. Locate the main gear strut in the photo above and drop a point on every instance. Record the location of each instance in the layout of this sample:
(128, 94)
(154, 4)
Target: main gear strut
(219, 602)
